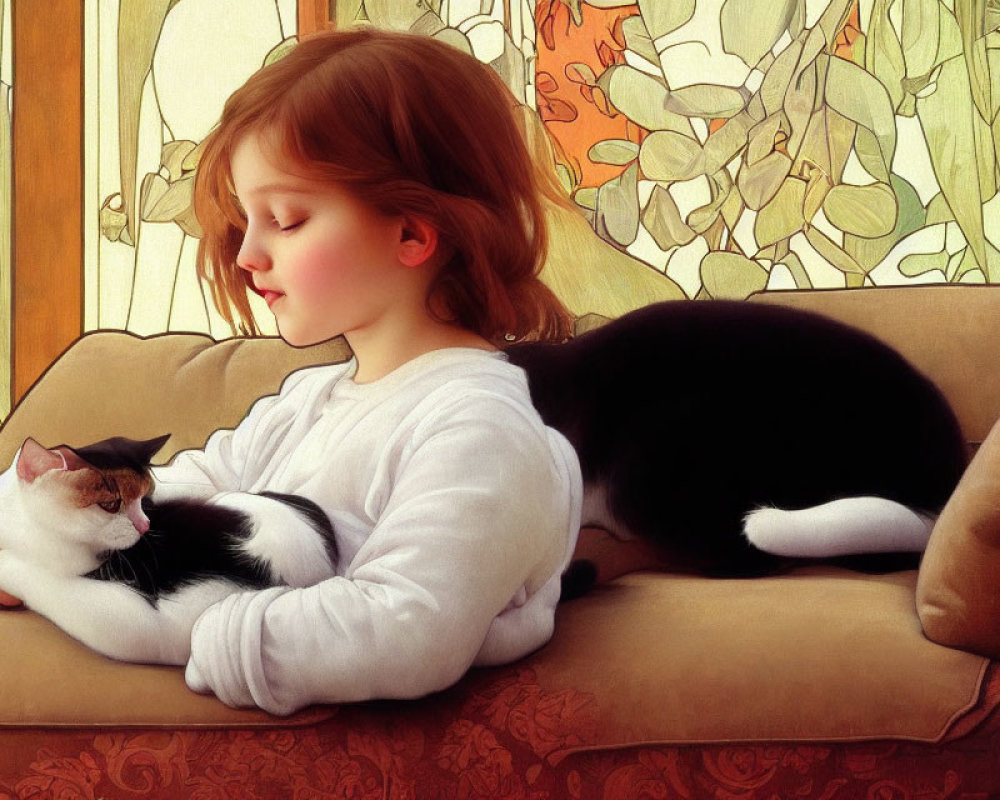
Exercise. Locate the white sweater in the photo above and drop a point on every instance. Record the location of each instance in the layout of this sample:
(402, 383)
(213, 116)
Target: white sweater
(455, 511)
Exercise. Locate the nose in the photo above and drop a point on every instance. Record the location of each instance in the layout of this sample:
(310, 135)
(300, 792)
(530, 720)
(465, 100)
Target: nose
(252, 256)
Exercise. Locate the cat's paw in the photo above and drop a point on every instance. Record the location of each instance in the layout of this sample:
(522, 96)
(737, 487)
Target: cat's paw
(11, 569)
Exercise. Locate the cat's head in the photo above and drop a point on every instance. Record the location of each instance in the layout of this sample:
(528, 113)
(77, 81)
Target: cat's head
(88, 496)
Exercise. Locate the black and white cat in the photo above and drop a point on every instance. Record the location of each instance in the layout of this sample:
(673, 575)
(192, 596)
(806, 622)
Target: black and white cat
(82, 544)
(735, 436)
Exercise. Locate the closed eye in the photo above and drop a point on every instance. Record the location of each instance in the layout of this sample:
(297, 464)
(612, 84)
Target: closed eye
(112, 506)
(288, 228)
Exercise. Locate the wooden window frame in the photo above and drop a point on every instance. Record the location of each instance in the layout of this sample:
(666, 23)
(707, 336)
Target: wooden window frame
(47, 269)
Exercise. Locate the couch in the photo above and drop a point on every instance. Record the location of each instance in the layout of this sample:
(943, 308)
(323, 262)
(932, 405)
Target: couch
(819, 683)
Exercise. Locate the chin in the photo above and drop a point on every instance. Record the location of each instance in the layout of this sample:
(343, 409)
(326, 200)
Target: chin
(303, 340)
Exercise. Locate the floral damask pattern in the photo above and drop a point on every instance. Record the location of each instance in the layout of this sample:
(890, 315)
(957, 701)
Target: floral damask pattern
(503, 736)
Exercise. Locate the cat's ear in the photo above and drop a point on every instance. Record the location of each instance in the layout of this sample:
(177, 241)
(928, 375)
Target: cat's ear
(34, 460)
(151, 447)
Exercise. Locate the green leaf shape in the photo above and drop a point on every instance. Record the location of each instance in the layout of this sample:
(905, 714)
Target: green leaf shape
(778, 78)
(947, 117)
(663, 221)
(669, 156)
(280, 50)
(835, 255)
(727, 142)
(909, 218)
(920, 35)
(637, 39)
(139, 26)
(617, 152)
(617, 212)
(730, 276)
(662, 17)
(642, 98)
(703, 217)
(750, 28)
(970, 15)
(854, 93)
(883, 52)
(865, 211)
(581, 73)
(707, 101)
(916, 264)
(797, 270)
(783, 216)
(760, 182)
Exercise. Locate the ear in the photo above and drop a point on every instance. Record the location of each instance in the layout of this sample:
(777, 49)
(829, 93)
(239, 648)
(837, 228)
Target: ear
(418, 241)
(34, 460)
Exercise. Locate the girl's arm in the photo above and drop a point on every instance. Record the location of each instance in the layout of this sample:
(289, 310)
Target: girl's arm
(481, 520)
(231, 458)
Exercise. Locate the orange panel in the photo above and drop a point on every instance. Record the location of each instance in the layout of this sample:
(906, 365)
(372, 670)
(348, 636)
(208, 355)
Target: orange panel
(47, 293)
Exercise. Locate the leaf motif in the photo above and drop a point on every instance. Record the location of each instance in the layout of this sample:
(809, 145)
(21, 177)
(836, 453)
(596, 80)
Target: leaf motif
(618, 152)
(971, 15)
(884, 53)
(726, 143)
(579, 72)
(669, 156)
(731, 276)
(835, 255)
(865, 211)
(947, 118)
(617, 212)
(858, 95)
(917, 264)
(750, 28)
(139, 26)
(280, 50)
(707, 101)
(662, 17)
(663, 221)
(783, 216)
(637, 39)
(759, 183)
(642, 98)
(797, 269)
(909, 217)
(174, 156)
(919, 36)
(778, 78)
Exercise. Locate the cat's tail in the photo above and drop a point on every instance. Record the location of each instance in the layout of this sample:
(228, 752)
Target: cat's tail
(850, 526)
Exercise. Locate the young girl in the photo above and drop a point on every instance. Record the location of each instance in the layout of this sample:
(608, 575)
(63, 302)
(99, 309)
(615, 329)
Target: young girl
(376, 185)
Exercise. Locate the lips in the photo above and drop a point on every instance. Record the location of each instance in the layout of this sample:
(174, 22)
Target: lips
(269, 295)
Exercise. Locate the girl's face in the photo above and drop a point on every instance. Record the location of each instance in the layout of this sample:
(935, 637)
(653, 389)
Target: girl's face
(324, 262)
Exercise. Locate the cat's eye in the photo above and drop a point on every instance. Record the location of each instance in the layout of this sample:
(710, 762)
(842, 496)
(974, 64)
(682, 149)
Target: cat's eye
(112, 506)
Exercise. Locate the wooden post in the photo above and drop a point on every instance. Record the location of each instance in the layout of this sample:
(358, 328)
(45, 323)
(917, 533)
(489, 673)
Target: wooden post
(47, 274)
(316, 15)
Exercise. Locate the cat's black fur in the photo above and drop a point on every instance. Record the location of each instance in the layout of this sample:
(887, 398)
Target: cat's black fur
(188, 540)
(688, 415)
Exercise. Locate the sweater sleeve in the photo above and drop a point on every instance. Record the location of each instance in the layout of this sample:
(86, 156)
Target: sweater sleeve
(479, 516)
(226, 463)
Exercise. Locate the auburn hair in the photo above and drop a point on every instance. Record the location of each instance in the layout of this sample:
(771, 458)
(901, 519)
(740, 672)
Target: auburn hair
(411, 126)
